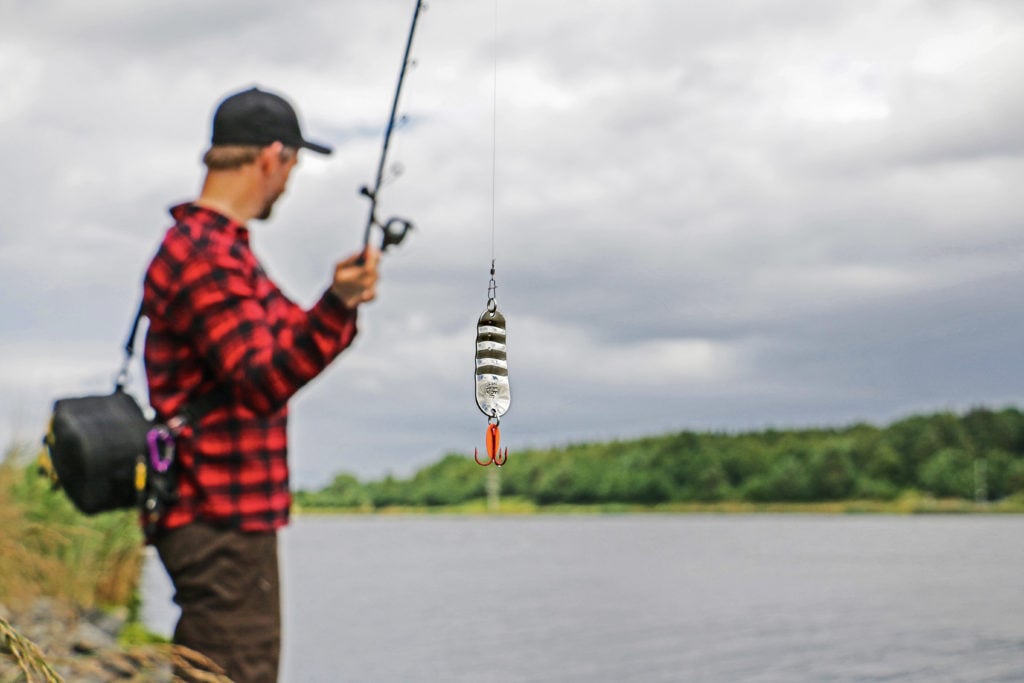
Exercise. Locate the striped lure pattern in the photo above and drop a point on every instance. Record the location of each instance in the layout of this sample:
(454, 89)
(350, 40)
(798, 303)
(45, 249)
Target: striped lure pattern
(492, 389)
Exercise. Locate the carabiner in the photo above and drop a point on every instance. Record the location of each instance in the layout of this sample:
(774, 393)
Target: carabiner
(161, 448)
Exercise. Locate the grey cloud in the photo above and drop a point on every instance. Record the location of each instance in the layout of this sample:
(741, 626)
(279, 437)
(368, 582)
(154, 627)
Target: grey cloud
(735, 214)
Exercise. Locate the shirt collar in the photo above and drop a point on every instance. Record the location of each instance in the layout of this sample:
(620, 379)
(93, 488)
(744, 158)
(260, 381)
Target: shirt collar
(210, 219)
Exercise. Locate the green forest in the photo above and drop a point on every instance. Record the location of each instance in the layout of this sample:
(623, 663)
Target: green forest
(974, 456)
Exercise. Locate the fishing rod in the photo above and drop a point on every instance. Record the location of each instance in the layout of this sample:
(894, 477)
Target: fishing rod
(394, 229)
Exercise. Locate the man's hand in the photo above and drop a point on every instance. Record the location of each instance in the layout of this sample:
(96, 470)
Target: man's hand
(355, 278)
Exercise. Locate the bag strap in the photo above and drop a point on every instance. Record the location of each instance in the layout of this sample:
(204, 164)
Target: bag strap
(129, 344)
(129, 351)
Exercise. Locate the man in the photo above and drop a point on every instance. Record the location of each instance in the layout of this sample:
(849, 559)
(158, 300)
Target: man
(220, 328)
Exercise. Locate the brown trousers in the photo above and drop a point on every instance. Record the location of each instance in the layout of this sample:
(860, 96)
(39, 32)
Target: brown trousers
(228, 587)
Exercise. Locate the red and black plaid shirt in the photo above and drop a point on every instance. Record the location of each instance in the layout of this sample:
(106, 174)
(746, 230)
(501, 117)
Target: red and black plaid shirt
(218, 322)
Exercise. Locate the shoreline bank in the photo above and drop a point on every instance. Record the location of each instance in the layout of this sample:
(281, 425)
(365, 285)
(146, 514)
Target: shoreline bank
(907, 504)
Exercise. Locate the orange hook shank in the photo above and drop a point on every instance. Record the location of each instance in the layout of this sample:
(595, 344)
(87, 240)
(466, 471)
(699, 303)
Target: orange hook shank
(494, 451)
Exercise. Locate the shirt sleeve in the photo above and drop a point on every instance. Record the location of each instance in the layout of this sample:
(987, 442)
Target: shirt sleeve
(220, 309)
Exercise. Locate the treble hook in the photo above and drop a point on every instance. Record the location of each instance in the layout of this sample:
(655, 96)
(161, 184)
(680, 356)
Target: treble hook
(494, 452)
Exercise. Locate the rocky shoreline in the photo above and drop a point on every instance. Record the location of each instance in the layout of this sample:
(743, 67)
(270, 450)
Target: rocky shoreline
(81, 645)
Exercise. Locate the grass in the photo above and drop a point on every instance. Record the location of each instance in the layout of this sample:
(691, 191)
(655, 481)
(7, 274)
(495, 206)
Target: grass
(26, 655)
(47, 548)
(50, 549)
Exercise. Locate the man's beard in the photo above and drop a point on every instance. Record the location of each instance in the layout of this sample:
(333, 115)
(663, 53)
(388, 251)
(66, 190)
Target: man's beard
(268, 208)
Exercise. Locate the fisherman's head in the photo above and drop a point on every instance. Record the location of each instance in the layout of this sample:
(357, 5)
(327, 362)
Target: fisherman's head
(258, 131)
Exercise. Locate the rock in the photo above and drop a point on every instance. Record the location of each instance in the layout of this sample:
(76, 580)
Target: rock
(47, 623)
(120, 664)
(110, 622)
(81, 645)
(83, 671)
(88, 639)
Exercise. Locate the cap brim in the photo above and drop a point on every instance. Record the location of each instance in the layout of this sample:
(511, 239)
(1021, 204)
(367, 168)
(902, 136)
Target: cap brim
(321, 149)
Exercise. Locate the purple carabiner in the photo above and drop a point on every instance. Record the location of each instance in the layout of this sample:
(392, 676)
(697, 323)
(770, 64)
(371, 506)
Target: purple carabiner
(161, 448)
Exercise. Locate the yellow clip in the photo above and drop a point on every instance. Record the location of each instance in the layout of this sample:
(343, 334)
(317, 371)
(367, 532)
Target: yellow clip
(44, 465)
(140, 475)
(50, 438)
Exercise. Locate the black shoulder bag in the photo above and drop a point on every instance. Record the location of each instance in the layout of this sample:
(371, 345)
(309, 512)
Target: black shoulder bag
(107, 455)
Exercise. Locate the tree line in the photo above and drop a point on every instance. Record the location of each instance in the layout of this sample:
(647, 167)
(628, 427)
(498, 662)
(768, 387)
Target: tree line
(975, 455)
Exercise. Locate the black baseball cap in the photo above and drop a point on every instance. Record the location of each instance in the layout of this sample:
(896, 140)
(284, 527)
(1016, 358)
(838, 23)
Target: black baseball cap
(257, 117)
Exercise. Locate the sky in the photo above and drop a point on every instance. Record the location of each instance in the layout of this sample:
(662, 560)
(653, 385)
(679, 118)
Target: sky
(704, 215)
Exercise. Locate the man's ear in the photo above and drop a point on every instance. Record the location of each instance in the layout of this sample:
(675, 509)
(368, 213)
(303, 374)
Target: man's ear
(270, 155)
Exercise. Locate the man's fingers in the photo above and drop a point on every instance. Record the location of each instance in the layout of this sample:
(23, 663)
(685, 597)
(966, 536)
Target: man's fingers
(371, 256)
(355, 278)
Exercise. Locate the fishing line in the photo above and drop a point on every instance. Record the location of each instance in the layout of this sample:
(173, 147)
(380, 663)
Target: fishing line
(494, 136)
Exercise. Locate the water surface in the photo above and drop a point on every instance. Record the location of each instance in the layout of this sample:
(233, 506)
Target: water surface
(752, 598)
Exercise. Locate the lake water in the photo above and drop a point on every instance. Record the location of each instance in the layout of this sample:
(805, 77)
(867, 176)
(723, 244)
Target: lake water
(758, 598)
